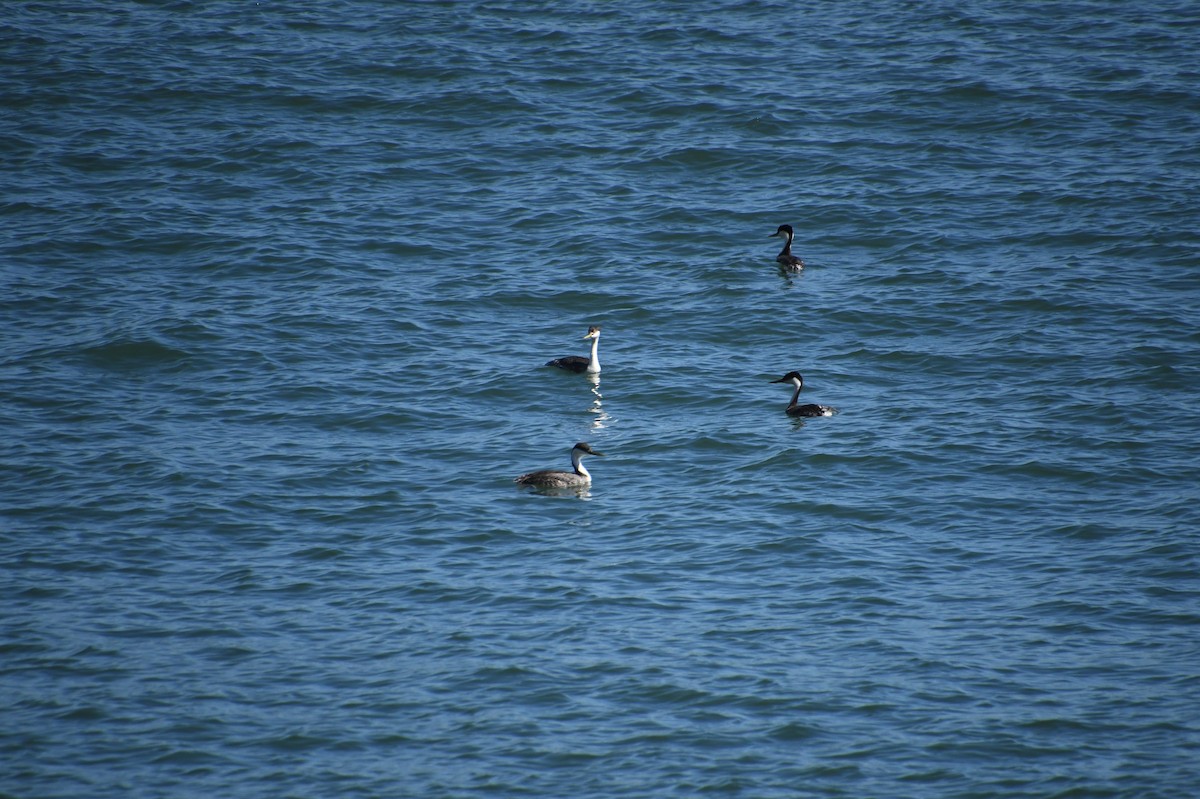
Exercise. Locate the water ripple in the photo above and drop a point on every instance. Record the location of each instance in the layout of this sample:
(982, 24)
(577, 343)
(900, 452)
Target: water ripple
(280, 288)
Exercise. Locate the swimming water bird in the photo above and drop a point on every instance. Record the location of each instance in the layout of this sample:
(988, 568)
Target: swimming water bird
(554, 478)
(578, 363)
(794, 407)
(785, 257)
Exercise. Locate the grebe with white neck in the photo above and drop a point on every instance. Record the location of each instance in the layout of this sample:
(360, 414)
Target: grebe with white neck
(785, 257)
(578, 363)
(794, 407)
(554, 478)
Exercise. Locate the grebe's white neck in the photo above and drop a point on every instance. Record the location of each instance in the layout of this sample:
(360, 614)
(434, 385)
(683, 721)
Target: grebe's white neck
(594, 363)
(787, 244)
(577, 463)
(799, 384)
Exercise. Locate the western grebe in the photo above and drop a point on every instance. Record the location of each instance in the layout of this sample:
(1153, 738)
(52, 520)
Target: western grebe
(578, 363)
(785, 257)
(794, 407)
(554, 478)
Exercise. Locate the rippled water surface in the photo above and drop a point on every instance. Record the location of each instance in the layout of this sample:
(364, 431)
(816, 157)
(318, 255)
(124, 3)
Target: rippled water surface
(279, 281)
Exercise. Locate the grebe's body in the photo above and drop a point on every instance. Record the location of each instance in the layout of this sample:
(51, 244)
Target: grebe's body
(553, 478)
(578, 363)
(794, 407)
(785, 258)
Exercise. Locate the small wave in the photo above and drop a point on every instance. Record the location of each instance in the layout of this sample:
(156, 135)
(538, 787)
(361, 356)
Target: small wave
(133, 354)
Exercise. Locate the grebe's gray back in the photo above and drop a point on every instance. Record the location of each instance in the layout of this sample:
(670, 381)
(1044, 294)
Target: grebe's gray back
(785, 257)
(578, 363)
(554, 478)
(794, 407)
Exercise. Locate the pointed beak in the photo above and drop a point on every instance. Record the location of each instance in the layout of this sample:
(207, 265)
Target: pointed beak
(780, 380)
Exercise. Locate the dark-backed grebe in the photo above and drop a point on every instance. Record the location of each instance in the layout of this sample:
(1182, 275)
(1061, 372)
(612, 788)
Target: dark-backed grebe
(554, 478)
(794, 407)
(578, 363)
(785, 257)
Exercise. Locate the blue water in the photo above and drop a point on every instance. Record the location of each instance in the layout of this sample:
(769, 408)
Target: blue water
(279, 281)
